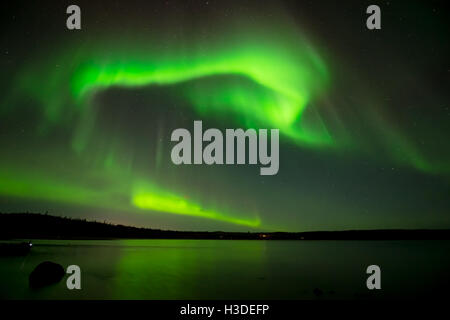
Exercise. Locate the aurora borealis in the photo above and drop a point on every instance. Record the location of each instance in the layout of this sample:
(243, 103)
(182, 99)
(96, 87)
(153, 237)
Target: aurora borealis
(363, 118)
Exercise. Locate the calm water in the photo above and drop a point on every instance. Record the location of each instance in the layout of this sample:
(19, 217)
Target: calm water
(214, 269)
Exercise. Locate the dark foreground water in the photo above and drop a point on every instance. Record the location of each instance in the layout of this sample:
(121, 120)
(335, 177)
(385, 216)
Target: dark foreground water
(214, 269)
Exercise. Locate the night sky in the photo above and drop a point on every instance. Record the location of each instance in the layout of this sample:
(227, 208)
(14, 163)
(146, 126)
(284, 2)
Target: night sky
(87, 115)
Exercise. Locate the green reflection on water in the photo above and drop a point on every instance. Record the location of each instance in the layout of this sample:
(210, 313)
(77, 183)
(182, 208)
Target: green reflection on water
(182, 269)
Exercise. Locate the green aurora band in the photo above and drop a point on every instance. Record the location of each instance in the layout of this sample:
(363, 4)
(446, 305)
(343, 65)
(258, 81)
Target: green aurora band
(274, 80)
(272, 95)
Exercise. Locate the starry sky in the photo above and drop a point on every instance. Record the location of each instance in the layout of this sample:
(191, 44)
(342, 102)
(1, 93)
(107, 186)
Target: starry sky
(87, 115)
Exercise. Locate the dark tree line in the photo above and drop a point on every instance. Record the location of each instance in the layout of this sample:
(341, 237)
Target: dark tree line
(45, 226)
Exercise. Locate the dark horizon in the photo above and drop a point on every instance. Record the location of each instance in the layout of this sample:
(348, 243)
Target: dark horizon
(45, 226)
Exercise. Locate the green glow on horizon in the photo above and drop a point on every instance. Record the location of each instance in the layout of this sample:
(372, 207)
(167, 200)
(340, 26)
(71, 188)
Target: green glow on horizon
(177, 205)
(146, 196)
(31, 185)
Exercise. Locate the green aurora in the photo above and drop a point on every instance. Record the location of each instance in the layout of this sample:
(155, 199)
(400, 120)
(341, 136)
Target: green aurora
(259, 78)
(264, 95)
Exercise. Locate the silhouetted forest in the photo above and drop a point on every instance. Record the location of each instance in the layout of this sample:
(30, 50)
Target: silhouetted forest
(44, 226)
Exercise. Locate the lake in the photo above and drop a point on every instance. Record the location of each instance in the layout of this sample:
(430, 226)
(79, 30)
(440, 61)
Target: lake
(228, 269)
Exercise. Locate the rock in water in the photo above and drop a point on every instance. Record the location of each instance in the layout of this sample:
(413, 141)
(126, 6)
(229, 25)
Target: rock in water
(45, 274)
